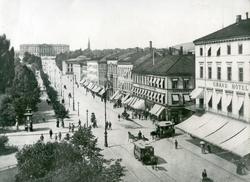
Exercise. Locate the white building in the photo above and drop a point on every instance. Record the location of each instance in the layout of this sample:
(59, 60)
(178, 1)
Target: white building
(223, 70)
(223, 89)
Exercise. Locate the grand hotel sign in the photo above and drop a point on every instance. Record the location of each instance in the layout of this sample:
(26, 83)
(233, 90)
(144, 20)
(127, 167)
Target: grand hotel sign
(231, 86)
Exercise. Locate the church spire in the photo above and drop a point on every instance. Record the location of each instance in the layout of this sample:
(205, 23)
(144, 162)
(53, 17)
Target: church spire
(88, 44)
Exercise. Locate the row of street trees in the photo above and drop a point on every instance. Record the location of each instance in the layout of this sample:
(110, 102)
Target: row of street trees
(59, 109)
(76, 160)
(18, 86)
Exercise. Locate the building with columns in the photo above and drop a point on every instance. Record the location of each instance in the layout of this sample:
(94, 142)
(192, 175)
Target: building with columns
(222, 93)
(43, 49)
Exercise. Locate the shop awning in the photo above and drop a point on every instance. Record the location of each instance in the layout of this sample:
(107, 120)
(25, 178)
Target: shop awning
(90, 85)
(118, 96)
(240, 103)
(98, 89)
(101, 92)
(131, 103)
(197, 93)
(139, 104)
(229, 99)
(224, 132)
(209, 96)
(82, 81)
(175, 97)
(113, 96)
(125, 98)
(218, 98)
(156, 110)
(94, 88)
(128, 100)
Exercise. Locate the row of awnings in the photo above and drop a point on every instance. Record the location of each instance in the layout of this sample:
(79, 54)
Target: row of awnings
(224, 132)
(93, 87)
(156, 110)
(117, 95)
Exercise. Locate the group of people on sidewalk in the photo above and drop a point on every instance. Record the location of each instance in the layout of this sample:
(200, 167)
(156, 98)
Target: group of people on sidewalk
(108, 125)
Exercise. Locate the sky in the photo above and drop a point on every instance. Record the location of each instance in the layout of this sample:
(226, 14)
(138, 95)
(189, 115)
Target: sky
(115, 23)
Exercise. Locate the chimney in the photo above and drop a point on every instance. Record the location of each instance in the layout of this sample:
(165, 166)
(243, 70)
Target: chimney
(170, 50)
(246, 15)
(238, 18)
(150, 45)
(181, 50)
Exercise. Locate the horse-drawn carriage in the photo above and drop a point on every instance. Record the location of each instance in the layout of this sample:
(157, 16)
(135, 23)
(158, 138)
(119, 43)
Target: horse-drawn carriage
(136, 138)
(163, 129)
(144, 152)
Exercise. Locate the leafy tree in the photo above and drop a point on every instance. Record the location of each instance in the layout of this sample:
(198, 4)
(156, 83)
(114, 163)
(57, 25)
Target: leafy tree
(74, 161)
(7, 112)
(7, 64)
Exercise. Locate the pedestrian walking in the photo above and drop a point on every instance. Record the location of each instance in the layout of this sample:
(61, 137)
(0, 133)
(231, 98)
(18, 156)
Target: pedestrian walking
(62, 123)
(57, 123)
(106, 125)
(60, 136)
(67, 136)
(79, 123)
(110, 125)
(204, 174)
(73, 127)
(56, 137)
(42, 137)
(176, 144)
(50, 133)
(202, 144)
(69, 127)
(209, 148)
(119, 117)
(139, 135)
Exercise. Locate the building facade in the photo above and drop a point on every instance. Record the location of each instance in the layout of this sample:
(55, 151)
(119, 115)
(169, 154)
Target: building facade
(165, 84)
(93, 71)
(223, 71)
(43, 49)
(112, 75)
(102, 69)
(222, 89)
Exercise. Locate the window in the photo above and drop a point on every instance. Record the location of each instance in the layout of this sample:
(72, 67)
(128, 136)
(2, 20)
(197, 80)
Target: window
(219, 105)
(174, 83)
(201, 71)
(240, 48)
(219, 73)
(218, 52)
(228, 49)
(229, 73)
(209, 52)
(201, 51)
(210, 72)
(241, 74)
(185, 83)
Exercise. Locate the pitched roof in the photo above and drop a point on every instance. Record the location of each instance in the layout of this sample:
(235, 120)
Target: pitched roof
(175, 65)
(236, 30)
(135, 58)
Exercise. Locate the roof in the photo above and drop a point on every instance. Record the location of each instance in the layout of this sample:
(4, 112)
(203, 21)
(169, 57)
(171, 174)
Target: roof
(236, 30)
(169, 65)
(79, 60)
(164, 123)
(132, 58)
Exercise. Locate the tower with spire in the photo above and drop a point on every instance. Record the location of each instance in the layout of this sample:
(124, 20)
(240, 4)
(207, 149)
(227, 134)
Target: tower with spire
(88, 44)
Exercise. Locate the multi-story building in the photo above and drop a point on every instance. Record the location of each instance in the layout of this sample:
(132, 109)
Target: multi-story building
(112, 75)
(161, 86)
(102, 69)
(43, 49)
(77, 67)
(223, 88)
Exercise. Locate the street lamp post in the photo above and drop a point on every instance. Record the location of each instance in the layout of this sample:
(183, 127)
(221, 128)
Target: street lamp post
(105, 114)
(78, 108)
(87, 117)
(73, 93)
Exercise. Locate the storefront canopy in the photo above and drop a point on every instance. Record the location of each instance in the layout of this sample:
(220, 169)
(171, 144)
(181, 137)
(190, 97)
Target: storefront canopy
(139, 104)
(197, 93)
(156, 110)
(224, 132)
(125, 98)
(113, 96)
(101, 92)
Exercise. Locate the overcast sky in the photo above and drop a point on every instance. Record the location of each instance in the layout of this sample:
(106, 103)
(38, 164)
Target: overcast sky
(115, 23)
